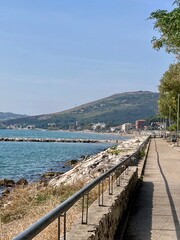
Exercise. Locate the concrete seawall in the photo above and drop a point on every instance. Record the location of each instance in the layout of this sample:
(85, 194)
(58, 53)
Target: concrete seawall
(103, 220)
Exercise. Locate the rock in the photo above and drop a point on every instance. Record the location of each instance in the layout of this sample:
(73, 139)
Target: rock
(83, 157)
(7, 183)
(105, 156)
(48, 175)
(70, 162)
(1, 182)
(5, 192)
(22, 181)
(90, 167)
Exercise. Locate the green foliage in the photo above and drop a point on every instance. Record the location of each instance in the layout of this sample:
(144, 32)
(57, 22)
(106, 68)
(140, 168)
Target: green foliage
(142, 153)
(169, 89)
(168, 26)
(172, 128)
(114, 150)
(41, 197)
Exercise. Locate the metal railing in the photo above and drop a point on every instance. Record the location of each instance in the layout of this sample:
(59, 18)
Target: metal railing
(60, 210)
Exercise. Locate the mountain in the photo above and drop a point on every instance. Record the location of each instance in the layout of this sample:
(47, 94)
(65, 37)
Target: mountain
(114, 110)
(9, 115)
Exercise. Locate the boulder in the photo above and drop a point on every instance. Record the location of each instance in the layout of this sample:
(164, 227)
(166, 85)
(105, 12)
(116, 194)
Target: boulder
(7, 183)
(70, 162)
(5, 192)
(48, 175)
(22, 182)
(84, 157)
(1, 182)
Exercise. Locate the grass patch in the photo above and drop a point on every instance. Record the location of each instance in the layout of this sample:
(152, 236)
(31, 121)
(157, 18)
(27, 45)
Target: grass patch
(23, 206)
(142, 153)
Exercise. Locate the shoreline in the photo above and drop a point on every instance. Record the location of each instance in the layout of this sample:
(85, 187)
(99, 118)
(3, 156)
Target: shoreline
(88, 168)
(93, 166)
(11, 136)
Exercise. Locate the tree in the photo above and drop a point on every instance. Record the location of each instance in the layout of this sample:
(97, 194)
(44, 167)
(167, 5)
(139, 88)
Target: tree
(169, 89)
(168, 26)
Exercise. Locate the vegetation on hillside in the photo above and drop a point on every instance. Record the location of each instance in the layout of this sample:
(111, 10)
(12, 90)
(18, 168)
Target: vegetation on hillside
(114, 110)
(9, 115)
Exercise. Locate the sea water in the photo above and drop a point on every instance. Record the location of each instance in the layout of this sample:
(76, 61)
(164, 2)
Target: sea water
(31, 159)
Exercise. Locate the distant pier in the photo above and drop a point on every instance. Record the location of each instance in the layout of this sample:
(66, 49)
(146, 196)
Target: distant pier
(60, 140)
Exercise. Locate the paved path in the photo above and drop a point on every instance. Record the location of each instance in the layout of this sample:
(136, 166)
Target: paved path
(156, 210)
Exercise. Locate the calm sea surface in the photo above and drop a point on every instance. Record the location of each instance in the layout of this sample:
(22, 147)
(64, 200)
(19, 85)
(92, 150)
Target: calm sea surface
(31, 159)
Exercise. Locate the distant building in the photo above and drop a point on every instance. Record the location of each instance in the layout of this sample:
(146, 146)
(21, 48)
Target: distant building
(140, 124)
(116, 129)
(126, 127)
(98, 126)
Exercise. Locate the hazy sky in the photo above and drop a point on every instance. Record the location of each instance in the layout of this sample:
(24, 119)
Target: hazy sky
(58, 54)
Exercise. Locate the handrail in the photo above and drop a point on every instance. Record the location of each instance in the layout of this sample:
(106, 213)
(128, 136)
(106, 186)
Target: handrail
(43, 222)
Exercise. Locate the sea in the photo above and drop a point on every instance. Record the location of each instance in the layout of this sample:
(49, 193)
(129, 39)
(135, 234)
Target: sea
(30, 160)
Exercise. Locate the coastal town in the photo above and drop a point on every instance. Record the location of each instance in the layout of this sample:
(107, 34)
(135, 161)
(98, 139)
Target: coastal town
(139, 125)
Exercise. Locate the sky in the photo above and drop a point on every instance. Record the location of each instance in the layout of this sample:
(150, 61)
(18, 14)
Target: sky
(58, 54)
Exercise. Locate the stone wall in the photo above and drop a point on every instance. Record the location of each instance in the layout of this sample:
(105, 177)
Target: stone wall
(103, 220)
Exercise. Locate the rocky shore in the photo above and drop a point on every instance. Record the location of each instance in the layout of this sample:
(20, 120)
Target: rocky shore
(8, 184)
(85, 169)
(92, 166)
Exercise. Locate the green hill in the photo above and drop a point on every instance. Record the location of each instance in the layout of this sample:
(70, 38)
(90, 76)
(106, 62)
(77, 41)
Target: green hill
(114, 110)
(9, 115)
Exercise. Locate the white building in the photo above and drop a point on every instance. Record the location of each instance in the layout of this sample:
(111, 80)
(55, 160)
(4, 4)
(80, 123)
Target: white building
(126, 127)
(98, 125)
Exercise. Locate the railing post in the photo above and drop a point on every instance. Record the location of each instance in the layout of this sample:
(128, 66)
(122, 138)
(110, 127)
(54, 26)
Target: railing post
(122, 174)
(118, 177)
(83, 207)
(110, 184)
(59, 226)
(126, 170)
(101, 193)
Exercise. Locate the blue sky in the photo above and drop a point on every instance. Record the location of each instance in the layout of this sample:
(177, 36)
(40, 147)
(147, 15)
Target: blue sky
(58, 54)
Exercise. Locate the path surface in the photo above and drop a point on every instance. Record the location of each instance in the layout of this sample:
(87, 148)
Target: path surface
(156, 210)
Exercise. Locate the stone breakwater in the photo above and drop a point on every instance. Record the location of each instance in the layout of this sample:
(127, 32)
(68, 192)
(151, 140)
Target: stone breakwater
(61, 140)
(93, 166)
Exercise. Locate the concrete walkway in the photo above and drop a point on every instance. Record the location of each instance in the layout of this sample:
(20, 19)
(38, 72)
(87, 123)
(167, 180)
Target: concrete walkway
(156, 210)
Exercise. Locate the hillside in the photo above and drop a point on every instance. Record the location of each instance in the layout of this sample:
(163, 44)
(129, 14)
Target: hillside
(9, 115)
(113, 110)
